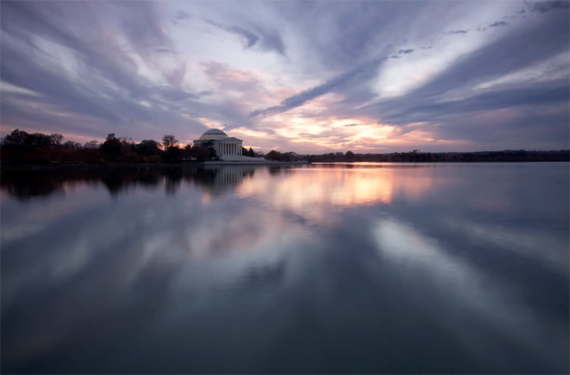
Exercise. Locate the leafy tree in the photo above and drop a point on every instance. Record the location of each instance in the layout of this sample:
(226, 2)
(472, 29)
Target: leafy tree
(273, 155)
(210, 146)
(246, 152)
(349, 156)
(111, 147)
(148, 147)
(173, 154)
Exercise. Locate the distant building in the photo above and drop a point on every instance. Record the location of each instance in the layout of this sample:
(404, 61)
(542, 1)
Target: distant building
(224, 145)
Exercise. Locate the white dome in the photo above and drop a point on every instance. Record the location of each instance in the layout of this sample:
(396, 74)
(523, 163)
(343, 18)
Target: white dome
(213, 134)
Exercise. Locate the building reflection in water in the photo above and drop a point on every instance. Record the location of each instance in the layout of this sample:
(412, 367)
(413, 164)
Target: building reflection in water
(307, 192)
(154, 262)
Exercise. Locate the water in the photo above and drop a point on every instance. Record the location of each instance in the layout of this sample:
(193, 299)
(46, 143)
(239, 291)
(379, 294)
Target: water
(364, 268)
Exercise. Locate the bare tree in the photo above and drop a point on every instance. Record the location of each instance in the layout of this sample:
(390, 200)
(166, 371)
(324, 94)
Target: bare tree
(169, 141)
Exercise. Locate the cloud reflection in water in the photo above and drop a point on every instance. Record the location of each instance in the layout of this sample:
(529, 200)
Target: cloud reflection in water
(170, 270)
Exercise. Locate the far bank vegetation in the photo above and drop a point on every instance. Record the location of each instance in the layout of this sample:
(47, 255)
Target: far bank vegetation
(20, 147)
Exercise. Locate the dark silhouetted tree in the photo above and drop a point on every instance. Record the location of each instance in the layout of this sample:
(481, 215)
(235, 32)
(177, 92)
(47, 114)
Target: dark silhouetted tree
(273, 155)
(112, 147)
(169, 141)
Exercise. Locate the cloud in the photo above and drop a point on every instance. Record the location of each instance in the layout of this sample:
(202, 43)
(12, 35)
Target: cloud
(498, 23)
(89, 77)
(270, 40)
(546, 6)
(176, 76)
(309, 135)
(537, 94)
(249, 38)
(242, 81)
(543, 38)
(182, 15)
(93, 68)
(314, 92)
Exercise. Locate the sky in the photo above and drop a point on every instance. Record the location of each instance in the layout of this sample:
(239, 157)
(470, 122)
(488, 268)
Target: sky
(304, 76)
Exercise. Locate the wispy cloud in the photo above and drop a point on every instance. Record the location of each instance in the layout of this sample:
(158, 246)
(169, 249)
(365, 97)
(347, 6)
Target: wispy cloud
(249, 39)
(314, 92)
(285, 74)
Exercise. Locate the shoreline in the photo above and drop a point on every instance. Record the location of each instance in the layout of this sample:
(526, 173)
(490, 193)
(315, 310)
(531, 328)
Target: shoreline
(118, 166)
(125, 166)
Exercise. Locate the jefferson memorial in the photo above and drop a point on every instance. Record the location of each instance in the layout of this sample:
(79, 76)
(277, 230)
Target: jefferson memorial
(228, 149)
(223, 144)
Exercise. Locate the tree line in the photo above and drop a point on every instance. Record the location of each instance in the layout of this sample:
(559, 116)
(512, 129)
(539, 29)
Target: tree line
(20, 147)
(446, 157)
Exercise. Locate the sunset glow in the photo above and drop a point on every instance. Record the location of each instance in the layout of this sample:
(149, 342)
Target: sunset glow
(288, 76)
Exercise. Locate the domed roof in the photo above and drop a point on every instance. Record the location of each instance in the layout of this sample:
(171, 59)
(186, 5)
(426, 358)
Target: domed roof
(213, 134)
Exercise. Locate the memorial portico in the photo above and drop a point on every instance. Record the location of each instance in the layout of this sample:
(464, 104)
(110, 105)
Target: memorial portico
(223, 144)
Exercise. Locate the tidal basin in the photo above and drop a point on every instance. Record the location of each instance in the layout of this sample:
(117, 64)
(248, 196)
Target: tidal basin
(322, 268)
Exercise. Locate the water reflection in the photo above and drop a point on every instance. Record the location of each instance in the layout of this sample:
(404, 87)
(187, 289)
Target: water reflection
(24, 185)
(299, 270)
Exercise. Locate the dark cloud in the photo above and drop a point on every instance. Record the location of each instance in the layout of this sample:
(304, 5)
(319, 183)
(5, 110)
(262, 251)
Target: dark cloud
(248, 37)
(395, 57)
(546, 6)
(405, 51)
(270, 39)
(351, 125)
(498, 24)
(458, 32)
(537, 94)
(533, 128)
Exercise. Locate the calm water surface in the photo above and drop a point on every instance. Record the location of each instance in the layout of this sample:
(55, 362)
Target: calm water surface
(370, 268)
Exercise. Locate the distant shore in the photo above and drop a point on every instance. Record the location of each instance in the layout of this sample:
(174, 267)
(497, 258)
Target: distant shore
(104, 166)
